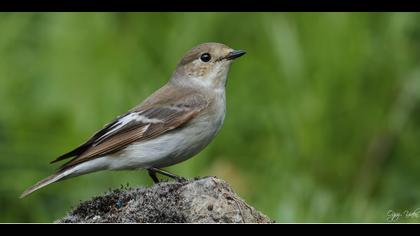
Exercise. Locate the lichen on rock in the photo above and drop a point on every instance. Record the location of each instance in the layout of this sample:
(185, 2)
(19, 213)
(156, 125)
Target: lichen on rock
(202, 200)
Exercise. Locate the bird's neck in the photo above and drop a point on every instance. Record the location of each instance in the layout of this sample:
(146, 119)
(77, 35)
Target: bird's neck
(213, 81)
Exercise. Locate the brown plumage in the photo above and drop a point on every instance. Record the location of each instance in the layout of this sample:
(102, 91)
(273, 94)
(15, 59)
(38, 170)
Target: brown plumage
(194, 93)
(157, 106)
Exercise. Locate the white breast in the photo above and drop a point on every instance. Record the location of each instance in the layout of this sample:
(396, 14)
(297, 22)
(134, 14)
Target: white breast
(174, 146)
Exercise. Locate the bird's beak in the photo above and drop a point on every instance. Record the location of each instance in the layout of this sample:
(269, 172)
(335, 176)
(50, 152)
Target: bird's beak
(235, 54)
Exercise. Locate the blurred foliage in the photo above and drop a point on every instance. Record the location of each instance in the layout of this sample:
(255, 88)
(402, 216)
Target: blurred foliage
(322, 117)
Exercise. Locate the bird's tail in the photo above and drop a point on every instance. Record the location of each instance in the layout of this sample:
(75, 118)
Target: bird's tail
(49, 180)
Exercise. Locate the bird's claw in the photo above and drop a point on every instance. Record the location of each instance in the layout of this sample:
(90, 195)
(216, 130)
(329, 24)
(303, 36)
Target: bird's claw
(181, 179)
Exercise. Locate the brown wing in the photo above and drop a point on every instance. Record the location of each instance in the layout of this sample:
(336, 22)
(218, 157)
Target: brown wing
(136, 126)
(83, 147)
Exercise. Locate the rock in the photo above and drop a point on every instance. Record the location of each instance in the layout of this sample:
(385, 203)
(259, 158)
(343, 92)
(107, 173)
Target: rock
(203, 200)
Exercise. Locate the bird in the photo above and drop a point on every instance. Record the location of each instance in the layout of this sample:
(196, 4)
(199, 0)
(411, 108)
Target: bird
(173, 124)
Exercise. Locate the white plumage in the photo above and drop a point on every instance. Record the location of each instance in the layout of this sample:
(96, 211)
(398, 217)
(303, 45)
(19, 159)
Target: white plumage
(173, 124)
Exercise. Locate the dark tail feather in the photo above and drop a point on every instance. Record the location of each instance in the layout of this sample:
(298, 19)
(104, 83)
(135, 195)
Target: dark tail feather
(50, 179)
(75, 152)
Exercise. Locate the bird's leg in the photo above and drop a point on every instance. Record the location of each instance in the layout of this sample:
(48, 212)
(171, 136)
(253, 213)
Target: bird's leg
(152, 174)
(170, 175)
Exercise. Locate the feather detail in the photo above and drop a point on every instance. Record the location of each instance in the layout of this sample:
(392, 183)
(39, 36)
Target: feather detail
(154, 117)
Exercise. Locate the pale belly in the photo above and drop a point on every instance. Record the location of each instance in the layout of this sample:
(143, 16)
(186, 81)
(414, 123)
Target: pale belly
(169, 149)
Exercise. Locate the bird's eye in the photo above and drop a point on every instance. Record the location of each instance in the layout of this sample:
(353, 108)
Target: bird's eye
(205, 57)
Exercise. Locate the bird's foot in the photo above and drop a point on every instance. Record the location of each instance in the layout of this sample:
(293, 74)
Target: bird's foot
(180, 179)
(152, 173)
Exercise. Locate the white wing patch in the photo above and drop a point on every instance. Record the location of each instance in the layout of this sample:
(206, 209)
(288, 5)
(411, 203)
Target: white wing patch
(132, 117)
(136, 117)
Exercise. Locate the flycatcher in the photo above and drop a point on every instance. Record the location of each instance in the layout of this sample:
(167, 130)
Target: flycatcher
(173, 124)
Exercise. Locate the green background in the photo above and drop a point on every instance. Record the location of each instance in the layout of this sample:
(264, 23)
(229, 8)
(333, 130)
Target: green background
(322, 119)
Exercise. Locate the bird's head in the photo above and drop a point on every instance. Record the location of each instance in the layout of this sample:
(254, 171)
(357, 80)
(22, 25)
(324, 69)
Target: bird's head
(206, 65)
